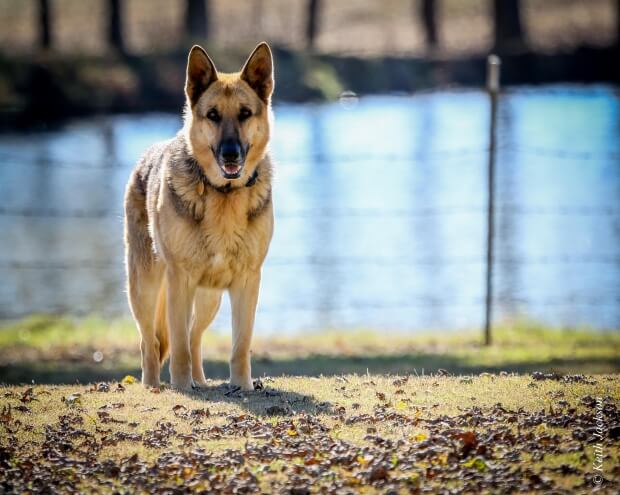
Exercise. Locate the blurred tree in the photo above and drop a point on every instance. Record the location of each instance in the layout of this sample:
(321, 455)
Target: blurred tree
(115, 27)
(429, 20)
(45, 32)
(312, 27)
(618, 23)
(197, 18)
(507, 22)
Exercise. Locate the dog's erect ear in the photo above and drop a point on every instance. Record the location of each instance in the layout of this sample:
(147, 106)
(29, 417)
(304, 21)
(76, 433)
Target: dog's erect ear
(200, 73)
(258, 71)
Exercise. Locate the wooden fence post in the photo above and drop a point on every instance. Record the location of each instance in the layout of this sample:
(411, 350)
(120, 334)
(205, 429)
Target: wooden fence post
(493, 69)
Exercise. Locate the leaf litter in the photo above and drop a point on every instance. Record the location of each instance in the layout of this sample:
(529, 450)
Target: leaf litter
(494, 449)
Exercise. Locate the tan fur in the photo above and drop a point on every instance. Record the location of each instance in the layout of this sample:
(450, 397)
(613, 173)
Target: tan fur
(161, 325)
(191, 233)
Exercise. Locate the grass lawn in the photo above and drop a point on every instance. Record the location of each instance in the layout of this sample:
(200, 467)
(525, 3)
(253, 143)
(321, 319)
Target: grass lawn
(60, 350)
(332, 414)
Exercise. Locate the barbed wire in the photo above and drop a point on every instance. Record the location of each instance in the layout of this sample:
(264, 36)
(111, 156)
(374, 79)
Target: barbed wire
(430, 302)
(502, 209)
(370, 305)
(562, 90)
(6, 158)
(413, 157)
(562, 154)
(57, 213)
(330, 261)
(10, 159)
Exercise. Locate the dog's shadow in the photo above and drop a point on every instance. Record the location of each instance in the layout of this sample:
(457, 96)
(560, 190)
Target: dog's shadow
(263, 401)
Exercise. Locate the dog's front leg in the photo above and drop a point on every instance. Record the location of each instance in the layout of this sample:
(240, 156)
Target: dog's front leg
(243, 303)
(180, 297)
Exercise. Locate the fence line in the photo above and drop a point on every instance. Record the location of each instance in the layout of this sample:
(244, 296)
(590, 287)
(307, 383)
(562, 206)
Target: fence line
(572, 89)
(55, 213)
(417, 157)
(6, 158)
(318, 213)
(416, 303)
(283, 261)
(561, 154)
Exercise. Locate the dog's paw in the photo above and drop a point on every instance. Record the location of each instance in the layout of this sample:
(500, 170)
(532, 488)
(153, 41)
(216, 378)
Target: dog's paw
(150, 383)
(182, 385)
(200, 384)
(244, 384)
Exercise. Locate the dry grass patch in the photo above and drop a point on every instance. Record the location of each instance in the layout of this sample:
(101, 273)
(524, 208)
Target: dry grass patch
(349, 433)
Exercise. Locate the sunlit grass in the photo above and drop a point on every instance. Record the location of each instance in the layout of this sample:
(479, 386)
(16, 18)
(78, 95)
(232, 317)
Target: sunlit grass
(411, 390)
(63, 350)
(334, 401)
(41, 331)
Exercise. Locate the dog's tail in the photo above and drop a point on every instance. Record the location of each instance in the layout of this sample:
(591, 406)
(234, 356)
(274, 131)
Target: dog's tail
(161, 323)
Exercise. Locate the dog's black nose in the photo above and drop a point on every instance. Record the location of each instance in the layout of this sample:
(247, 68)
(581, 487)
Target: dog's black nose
(230, 150)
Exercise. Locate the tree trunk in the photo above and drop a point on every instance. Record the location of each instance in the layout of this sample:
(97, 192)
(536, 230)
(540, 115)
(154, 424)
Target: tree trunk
(115, 26)
(618, 23)
(429, 21)
(197, 18)
(45, 32)
(313, 22)
(507, 21)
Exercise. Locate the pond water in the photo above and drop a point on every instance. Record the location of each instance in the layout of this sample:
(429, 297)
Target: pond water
(380, 212)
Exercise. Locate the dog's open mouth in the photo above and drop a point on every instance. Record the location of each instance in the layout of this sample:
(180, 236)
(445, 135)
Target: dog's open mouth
(231, 170)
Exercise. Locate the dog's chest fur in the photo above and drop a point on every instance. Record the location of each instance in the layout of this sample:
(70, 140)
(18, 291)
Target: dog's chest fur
(226, 242)
(218, 237)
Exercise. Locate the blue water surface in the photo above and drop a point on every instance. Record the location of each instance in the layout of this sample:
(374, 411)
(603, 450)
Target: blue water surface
(380, 212)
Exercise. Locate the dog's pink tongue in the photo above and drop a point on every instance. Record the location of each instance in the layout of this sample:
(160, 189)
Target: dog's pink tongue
(231, 169)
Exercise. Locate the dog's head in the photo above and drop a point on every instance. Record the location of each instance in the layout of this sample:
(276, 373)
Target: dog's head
(228, 116)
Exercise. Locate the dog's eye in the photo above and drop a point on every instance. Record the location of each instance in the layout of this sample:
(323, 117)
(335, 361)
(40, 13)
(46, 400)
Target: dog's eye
(244, 113)
(213, 115)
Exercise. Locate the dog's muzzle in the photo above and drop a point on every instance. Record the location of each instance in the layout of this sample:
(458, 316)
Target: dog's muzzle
(231, 158)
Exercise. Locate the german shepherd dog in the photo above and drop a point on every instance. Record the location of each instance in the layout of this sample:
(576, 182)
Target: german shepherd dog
(199, 220)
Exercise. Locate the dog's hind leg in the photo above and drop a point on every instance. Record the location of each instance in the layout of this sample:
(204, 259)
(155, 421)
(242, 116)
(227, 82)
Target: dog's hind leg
(144, 277)
(143, 287)
(206, 304)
